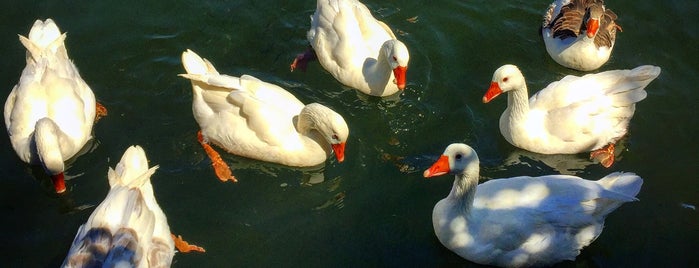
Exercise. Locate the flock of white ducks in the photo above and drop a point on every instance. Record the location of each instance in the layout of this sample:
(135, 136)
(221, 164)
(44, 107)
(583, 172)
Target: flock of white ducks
(520, 221)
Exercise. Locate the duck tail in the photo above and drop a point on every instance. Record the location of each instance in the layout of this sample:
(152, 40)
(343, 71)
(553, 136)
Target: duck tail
(197, 67)
(621, 187)
(132, 170)
(204, 76)
(44, 39)
(630, 90)
(625, 183)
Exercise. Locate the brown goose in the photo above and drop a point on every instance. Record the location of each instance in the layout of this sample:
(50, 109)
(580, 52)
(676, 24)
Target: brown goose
(579, 34)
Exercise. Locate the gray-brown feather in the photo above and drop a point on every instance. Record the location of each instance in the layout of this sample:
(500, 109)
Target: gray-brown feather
(570, 22)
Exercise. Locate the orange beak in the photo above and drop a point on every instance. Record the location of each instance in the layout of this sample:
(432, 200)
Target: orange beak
(493, 91)
(399, 74)
(59, 183)
(592, 26)
(440, 167)
(339, 150)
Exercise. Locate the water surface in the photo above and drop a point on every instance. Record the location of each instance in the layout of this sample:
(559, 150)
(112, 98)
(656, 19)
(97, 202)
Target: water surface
(375, 208)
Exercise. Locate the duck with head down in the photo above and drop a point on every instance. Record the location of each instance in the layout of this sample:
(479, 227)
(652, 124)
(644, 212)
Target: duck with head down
(49, 114)
(358, 50)
(255, 119)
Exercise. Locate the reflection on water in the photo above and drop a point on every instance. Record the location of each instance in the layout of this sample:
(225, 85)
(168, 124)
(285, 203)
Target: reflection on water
(568, 164)
(375, 206)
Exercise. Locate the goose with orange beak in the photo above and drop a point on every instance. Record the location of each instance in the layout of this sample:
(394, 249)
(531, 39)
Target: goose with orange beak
(579, 34)
(252, 118)
(360, 51)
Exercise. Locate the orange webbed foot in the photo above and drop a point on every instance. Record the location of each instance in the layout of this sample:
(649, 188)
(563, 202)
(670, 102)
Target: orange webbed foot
(100, 111)
(605, 155)
(223, 172)
(183, 246)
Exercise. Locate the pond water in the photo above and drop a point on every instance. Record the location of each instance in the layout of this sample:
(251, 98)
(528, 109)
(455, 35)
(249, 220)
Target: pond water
(375, 208)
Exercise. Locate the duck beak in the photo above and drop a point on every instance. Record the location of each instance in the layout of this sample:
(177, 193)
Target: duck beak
(339, 150)
(440, 167)
(592, 27)
(59, 183)
(399, 74)
(493, 91)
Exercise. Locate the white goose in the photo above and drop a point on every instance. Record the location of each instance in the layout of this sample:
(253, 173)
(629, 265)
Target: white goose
(50, 112)
(358, 50)
(128, 229)
(259, 120)
(522, 221)
(579, 34)
(573, 115)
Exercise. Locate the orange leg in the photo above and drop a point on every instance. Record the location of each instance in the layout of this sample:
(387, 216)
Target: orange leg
(100, 112)
(605, 155)
(301, 60)
(223, 172)
(183, 246)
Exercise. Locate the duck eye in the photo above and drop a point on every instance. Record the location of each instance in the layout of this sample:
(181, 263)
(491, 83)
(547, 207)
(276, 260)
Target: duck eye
(335, 137)
(395, 59)
(458, 156)
(505, 79)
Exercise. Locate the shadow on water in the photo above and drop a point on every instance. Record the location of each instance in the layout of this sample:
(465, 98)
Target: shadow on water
(567, 164)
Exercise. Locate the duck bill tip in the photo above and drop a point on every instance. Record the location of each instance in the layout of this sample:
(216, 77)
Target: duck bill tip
(439, 168)
(59, 183)
(493, 91)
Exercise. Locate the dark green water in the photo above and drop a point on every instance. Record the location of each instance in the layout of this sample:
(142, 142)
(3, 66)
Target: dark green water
(368, 211)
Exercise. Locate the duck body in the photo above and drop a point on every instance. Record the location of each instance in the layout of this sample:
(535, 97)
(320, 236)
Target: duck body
(128, 229)
(358, 50)
(259, 120)
(573, 115)
(579, 34)
(522, 221)
(49, 114)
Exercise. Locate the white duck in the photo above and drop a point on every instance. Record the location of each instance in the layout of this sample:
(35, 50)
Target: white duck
(579, 34)
(358, 50)
(259, 120)
(522, 221)
(128, 229)
(50, 112)
(573, 115)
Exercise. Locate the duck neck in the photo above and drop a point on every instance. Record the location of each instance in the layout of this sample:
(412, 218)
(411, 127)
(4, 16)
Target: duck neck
(379, 71)
(518, 105)
(51, 145)
(306, 120)
(464, 190)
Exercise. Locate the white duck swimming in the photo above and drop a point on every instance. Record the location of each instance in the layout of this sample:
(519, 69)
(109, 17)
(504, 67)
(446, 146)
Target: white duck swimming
(128, 229)
(579, 34)
(573, 115)
(50, 112)
(259, 120)
(358, 50)
(522, 221)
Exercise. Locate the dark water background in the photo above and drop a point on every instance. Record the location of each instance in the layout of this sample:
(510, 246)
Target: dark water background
(375, 208)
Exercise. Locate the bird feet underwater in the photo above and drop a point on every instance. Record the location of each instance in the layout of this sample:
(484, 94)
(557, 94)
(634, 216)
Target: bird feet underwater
(100, 111)
(605, 155)
(223, 172)
(301, 60)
